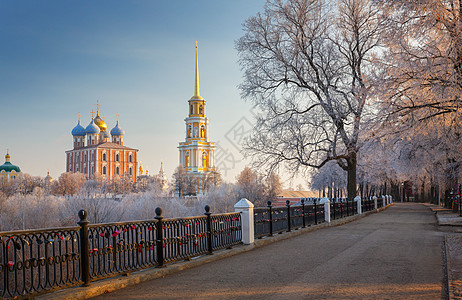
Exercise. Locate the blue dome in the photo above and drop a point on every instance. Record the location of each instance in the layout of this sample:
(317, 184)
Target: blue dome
(92, 128)
(79, 130)
(106, 134)
(117, 131)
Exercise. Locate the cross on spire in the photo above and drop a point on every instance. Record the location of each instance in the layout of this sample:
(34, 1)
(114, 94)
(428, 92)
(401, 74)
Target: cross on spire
(92, 113)
(117, 116)
(79, 115)
(97, 105)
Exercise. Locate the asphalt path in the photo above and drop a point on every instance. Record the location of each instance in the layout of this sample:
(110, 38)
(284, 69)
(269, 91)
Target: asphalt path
(395, 254)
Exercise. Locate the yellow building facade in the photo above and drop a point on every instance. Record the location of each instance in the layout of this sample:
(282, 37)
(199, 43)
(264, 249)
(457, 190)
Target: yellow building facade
(197, 152)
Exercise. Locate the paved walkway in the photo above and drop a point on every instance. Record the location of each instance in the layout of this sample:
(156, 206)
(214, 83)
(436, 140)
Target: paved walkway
(395, 254)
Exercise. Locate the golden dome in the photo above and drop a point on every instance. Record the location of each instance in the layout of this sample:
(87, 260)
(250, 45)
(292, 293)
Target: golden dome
(100, 123)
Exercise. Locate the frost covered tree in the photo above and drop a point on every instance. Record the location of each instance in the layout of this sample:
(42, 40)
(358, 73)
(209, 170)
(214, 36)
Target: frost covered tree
(68, 184)
(307, 67)
(257, 188)
(330, 177)
(422, 72)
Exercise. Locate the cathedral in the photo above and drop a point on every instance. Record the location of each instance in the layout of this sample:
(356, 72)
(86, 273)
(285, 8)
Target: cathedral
(96, 152)
(197, 152)
(8, 170)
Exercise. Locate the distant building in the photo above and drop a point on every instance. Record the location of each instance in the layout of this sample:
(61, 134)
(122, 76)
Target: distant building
(8, 170)
(162, 178)
(197, 152)
(48, 179)
(96, 152)
(293, 196)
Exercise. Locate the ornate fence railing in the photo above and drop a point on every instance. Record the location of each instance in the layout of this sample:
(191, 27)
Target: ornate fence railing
(34, 262)
(270, 220)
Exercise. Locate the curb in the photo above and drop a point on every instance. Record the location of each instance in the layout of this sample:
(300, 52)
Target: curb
(447, 264)
(453, 285)
(114, 283)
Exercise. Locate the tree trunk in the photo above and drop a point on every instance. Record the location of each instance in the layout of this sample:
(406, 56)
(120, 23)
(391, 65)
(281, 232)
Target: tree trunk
(351, 183)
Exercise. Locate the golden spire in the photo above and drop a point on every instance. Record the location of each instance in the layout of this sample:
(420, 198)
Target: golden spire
(197, 95)
(7, 156)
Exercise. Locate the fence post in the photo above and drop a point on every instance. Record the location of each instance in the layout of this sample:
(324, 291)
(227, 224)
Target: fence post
(315, 212)
(159, 238)
(383, 201)
(358, 202)
(303, 211)
(326, 203)
(245, 207)
(209, 230)
(288, 215)
(84, 248)
(375, 202)
(270, 216)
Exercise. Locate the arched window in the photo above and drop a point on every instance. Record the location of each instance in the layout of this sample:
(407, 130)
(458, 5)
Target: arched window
(104, 170)
(191, 109)
(202, 131)
(204, 159)
(117, 157)
(131, 171)
(104, 157)
(201, 109)
(130, 159)
(189, 130)
(117, 170)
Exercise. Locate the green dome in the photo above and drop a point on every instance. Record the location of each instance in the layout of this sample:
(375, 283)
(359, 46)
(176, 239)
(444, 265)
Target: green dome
(8, 167)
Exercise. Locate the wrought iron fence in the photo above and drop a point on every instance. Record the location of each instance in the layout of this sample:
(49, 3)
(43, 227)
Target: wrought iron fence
(34, 261)
(367, 204)
(271, 220)
(38, 261)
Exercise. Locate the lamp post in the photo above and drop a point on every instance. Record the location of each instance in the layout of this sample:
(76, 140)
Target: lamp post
(402, 192)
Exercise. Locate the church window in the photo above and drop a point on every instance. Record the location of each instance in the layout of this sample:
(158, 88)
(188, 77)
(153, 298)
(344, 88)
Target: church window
(117, 158)
(85, 159)
(117, 170)
(189, 130)
(191, 109)
(130, 159)
(196, 132)
(201, 109)
(92, 169)
(104, 170)
(204, 159)
(131, 171)
(104, 157)
(202, 131)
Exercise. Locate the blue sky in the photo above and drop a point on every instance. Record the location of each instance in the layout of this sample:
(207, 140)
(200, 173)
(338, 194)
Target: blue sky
(137, 58)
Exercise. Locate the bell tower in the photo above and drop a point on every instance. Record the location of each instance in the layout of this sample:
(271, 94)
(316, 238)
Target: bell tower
(197, 152)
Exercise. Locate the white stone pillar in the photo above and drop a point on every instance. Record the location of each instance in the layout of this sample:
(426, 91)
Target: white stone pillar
(375, 202)
(326, 203)
(358, 202)
(383, 201)
(245, 207)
